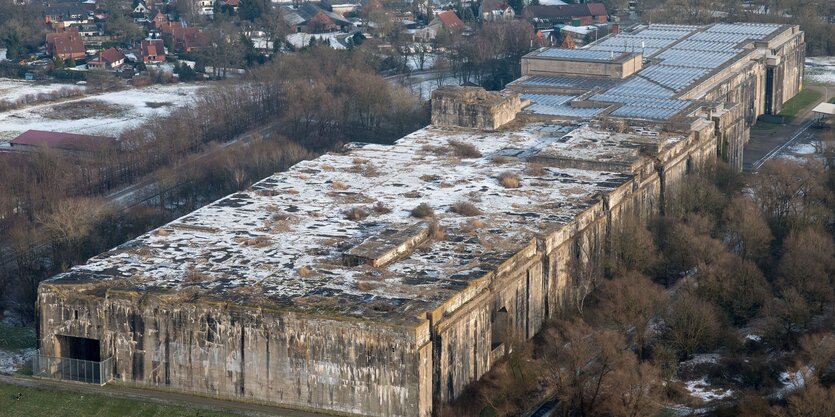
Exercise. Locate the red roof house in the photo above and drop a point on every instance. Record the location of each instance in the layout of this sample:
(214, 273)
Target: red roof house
(448, 19)
(152, 51)
(65, 45)
(31, 139)
(107, 59)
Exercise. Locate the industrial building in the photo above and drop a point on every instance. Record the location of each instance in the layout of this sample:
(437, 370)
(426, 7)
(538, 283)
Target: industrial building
(383, 280)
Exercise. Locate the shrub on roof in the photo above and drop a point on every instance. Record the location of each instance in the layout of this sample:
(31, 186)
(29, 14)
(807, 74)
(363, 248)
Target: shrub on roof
(464, 150)
(423, 211)
(510, 179)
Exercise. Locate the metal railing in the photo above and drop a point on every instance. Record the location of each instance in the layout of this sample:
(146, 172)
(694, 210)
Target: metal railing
(73, 369)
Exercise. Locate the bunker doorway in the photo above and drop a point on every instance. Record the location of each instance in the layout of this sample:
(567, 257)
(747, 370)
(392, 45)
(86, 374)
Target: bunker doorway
(76, 359)
(81, 348)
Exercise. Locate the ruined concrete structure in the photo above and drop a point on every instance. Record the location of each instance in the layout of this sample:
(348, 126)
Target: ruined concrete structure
(319, 289)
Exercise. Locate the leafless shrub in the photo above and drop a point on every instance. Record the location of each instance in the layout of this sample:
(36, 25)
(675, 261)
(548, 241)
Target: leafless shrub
(510, 179)
(194, 276)
(356, 214)
(423, 211)
(472, 226)
(339, 185)
(464, 150)
(429, 178)
(162, 232)
(327, 168)
(412, 194)
(381, 208)
(465, 208)
(501, 159)
(535, 170)
(437, 150)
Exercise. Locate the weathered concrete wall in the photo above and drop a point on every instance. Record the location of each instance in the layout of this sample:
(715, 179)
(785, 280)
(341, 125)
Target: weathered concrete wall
(473, 107)
(533, 64)
(349, 367)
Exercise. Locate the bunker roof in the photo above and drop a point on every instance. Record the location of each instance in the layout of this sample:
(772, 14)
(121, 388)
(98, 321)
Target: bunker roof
(678, 58)
(337, 236)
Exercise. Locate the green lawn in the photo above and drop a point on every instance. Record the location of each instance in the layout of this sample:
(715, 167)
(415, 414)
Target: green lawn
(799, 102)
(15, 338)
(40, 402)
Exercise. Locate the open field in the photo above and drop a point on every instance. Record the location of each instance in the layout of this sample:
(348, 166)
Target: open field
(821, 69)
(49, 402)
(106, 114)
(799, 102)
(11, 90)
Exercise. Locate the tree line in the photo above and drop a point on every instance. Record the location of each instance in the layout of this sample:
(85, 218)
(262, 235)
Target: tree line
(739, 267)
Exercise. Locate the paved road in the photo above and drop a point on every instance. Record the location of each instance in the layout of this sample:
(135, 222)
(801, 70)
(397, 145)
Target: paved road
(159, 397)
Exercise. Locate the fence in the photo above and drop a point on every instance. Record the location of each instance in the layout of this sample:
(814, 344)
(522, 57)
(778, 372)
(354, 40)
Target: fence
(73, 369)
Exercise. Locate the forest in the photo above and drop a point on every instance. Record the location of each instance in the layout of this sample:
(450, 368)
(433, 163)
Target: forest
(733, 288)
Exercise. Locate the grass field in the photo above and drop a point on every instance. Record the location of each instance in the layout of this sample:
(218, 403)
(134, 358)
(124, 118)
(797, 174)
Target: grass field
(799, 102)
(13, 338)
(40, 402)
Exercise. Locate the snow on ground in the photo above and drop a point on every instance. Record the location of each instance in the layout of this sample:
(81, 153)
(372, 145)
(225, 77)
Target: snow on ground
(129, 109)
(300, 40)
(821, 69)
(792, 381)
(803, 149)
(11, 90)
(413, 61)
(10, 362)
(702, 390)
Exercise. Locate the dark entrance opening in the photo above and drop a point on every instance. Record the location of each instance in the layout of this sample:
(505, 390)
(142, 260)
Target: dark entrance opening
(769, 90)
(79, 348)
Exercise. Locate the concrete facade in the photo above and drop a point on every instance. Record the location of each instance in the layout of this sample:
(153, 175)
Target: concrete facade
(272, 295)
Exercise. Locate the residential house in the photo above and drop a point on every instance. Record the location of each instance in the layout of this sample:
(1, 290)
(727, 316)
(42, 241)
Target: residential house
(66, 13)
(205, 7)
(141, 9)
(234, 4)
(158, 19)
(89, 30)
(582, 14)
(310, 18)
(110, 58)
(495, 10)
(446, 20)
(152, 51)
(65, 45)
(187, 39)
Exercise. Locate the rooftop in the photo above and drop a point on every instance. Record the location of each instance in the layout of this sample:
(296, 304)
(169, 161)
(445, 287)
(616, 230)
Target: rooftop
(677, 58)
(287, 242)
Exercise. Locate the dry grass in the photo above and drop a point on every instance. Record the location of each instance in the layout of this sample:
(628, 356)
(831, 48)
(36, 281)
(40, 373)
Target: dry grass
(327, 168)
(339, 185)
(472, 226)
(436, 232)
(258, 241)
(356, 214)
(437, 150)
(366, 285)
(194, 276)
(501, 159)
(381, 208)
(429, 178)
(465, 208)
(535, 170)
(464, 150)
(162, 232)
(305, 272)
(423, 211)
(509, 179)
(412, 194)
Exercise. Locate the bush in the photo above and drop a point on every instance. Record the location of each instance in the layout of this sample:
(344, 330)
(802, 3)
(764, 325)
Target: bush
(356, 214)
(423, 211)
(510, 179)
(464, 150)
(464, 208)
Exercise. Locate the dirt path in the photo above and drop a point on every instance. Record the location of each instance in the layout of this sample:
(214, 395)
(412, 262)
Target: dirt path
(159, 397)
